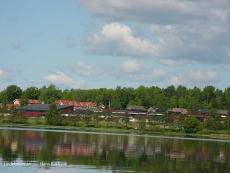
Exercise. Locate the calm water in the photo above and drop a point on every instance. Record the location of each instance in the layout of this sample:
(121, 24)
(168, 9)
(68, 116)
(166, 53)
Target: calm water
(60, 152)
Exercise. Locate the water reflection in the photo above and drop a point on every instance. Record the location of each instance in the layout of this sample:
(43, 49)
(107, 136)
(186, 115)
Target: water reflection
(111, 153)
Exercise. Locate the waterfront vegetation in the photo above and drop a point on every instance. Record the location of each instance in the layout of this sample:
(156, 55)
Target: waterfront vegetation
(192, 99)
(189, 127)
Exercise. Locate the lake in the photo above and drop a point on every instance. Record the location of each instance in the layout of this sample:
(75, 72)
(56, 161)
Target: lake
(47, 151)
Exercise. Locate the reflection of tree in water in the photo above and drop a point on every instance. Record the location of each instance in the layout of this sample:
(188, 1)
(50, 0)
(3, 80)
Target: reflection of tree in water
(47, 154)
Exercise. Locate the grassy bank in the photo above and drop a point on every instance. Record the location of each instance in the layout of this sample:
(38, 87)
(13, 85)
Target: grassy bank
(119, 128)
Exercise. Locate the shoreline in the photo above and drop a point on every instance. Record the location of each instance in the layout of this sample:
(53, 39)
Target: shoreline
(122, 132)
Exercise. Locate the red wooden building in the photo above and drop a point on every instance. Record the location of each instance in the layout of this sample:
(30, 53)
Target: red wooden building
(35, 110)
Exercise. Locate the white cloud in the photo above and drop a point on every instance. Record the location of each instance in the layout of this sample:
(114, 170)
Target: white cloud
(203, 76)
(194, 77)
(147, 11)
(117, 39)
(62, 79)
(171, 63)
(185, 30)
(132, 70)
(131, 66)
(84, 70)
(4, 76)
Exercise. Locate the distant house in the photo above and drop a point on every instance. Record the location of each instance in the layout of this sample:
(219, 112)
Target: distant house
(29, 101)
(223, 113)
(134, 108)
(202, 111)
(10, 105)
(77, 105)
(35, 110)
(177, 111)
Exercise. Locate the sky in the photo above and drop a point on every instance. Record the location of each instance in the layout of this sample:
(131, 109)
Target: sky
(90, 44)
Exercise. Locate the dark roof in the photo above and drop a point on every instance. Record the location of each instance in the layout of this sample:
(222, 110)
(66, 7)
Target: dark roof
(43, 107)
(202, 111)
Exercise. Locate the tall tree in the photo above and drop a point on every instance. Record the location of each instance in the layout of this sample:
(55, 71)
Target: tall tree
(32, 93)
(50, 114)
(11, 93)
(87, 117)
(50, 94)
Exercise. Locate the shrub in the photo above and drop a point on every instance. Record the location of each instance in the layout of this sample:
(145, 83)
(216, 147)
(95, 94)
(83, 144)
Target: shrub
(156, 129)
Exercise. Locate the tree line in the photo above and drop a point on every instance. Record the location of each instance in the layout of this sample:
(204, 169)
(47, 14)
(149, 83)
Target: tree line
(191, 99)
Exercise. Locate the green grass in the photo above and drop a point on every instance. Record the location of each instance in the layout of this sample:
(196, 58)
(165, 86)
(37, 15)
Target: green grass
(118, 128)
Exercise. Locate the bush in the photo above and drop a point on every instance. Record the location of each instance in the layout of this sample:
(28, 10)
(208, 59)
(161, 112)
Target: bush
(192, 125)
(156, 129)
(204, 132)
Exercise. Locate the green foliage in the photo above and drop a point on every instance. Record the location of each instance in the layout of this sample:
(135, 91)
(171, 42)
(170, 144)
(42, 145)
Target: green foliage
(51, 114)
(191, 125)
(156, 129)
(32, 93)
(125, 119)
(96, 118)
(142, 123)
(87, 117)
(162, 98)
(24, 100)
(11, 93)
(49, 94)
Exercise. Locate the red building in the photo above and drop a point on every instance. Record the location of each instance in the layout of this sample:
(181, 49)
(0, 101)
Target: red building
(35, 110)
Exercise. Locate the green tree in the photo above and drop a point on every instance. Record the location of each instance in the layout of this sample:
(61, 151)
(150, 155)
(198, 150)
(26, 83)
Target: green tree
(142, 123)
(209, 124)
(21, 117)
(97, 118)
(32, 93)
(58, 118)
(191, 125)
(50, 114)
(180, 121)
(11, 93)
(49, 94)
(13, 113)
(24, 100)
(125, 119)
(87, 117)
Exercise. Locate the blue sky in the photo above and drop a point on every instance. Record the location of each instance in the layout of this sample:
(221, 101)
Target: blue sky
(103, 43)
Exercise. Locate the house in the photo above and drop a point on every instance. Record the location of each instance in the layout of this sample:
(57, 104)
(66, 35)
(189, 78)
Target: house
(177, 111)
(35, 110)
(29, 101)
(223, 113)
(202, 111)
(81, 105)
(134, 108)
(8, 106)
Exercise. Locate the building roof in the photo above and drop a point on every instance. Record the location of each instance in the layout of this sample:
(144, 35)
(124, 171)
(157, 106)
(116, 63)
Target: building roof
(81, 104)
(222, 112)
(43, 107)
(30, 101)
(180, 110)
(134, 107)
(10, 105)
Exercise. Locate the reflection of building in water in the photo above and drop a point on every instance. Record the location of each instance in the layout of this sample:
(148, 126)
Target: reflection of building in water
(73, 149)
(221, 158)
(33, 141)
(14, 147)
